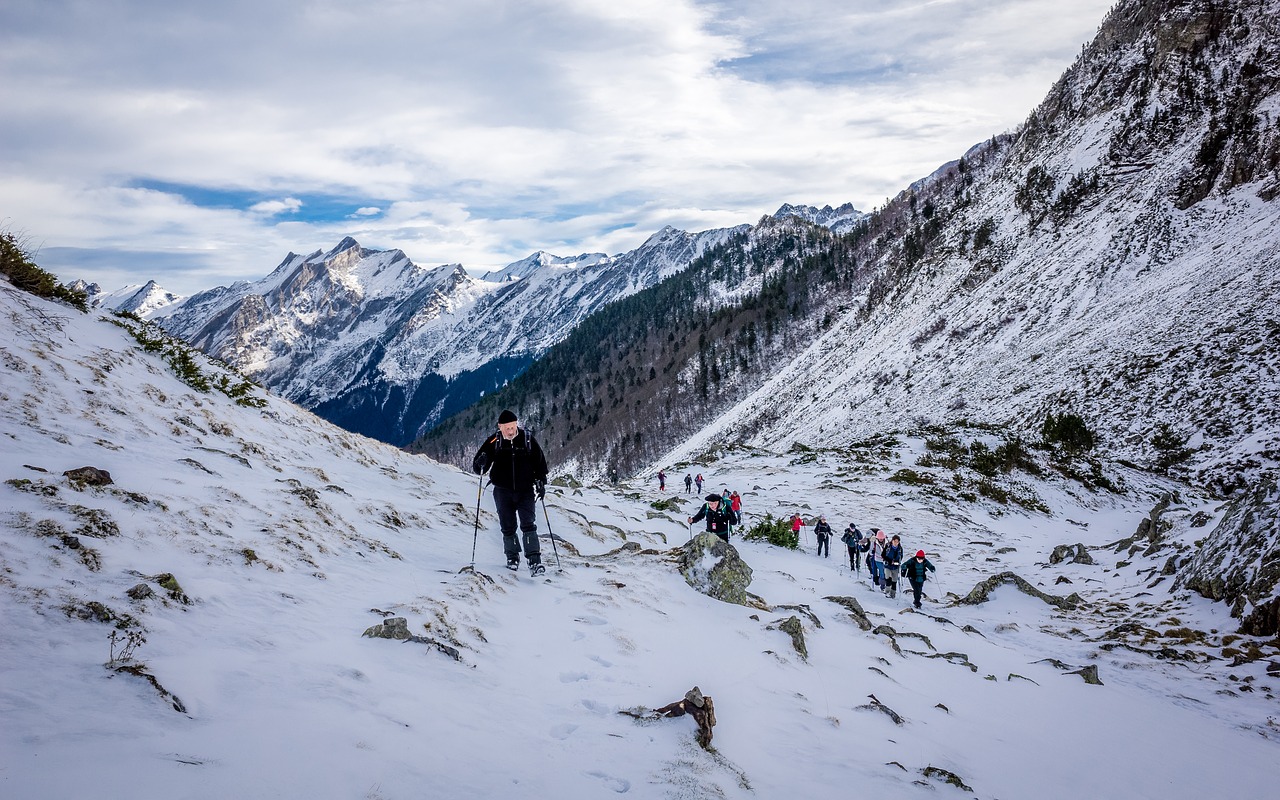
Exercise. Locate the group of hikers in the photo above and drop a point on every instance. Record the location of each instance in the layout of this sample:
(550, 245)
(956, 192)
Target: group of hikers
(884, 556)
(689, 481)
(517, 469)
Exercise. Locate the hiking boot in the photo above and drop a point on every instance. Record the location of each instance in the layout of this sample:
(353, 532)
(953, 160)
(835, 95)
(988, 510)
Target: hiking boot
(536, 568)
(513, 563)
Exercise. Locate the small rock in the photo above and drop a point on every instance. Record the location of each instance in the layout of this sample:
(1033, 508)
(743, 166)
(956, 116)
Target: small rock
(393, 628)
(88, 476)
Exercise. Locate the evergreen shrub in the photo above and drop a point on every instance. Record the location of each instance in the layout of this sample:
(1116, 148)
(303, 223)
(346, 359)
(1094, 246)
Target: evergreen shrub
(774, 531)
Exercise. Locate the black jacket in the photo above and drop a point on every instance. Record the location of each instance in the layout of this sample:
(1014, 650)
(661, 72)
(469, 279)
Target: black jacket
(914, 571)
(512, 465)
(822, 529)
(720, 521)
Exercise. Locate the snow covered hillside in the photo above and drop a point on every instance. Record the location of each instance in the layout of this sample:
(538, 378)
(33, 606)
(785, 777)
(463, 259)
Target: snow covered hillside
(246, 545)
(1117, 257)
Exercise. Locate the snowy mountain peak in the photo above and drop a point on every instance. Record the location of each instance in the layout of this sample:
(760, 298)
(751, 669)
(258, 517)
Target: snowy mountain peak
(146, 300)
(343, 246)
(539, 260)
(839, 220)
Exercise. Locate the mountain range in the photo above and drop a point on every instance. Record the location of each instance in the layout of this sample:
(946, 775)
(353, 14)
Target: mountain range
(381, 346)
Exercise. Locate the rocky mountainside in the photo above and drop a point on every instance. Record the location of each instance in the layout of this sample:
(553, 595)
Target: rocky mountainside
(381, 346)
(1113, 261)
(1116, 258)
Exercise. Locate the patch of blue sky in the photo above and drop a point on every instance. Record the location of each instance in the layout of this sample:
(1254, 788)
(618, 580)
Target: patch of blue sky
(783, 66)
(285, 205)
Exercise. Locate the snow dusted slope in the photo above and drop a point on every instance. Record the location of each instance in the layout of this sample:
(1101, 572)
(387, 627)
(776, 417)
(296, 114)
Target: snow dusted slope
(1118, 258)
(285, 538)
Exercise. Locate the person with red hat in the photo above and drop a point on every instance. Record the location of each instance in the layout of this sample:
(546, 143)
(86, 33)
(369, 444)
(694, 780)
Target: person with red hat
(914, 570)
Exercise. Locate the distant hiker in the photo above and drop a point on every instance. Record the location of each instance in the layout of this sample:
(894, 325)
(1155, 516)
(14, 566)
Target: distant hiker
(720, 518)
(735, 502)
(865, 549)
(824, 536)
(698, 480)
(662, 481)
(875, 557)
(613, 476)
(852, 539)
(796, 525)
(688, 483)
(914, 571)
(892, 563)
(518, 471)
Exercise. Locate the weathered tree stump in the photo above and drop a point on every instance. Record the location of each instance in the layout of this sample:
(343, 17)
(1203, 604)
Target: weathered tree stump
(698, 706)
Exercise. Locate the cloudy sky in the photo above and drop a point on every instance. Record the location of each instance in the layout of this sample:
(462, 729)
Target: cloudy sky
(198, 143)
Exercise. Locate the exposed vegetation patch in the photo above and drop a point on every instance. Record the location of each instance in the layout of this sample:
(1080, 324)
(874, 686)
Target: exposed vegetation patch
(17, 265)
(774, 531)
(186, 362)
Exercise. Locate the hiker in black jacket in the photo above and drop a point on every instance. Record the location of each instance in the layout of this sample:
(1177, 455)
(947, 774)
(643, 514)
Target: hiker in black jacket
(852, 539)
(824, 536)
(892, 562)
(720, 517)
(518, 471)
(914, 570)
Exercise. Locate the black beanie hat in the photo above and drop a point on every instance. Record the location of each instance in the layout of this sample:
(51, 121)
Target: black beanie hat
(505, 417)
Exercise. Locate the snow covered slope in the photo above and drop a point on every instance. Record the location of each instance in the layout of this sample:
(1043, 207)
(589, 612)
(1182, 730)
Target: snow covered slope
(251, 546)
(1117, 257)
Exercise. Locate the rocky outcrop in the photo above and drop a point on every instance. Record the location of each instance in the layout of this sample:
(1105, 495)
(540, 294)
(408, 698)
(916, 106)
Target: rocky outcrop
(88, 476)
(793, 628)
(982, 592)
(712, 566)
(1076, 553)
(854, 608)
(1240, 561)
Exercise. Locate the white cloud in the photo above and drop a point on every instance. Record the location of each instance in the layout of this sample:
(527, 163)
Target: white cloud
(274, 208)
(482, 131)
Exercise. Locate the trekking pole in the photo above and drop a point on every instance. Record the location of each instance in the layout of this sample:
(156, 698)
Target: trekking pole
(475, 534)
(547, 517)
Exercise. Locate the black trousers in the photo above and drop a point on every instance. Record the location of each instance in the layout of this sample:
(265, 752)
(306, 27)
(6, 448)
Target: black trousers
(917, 589)
(512, 504)
(824, 543)
(855, 559)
